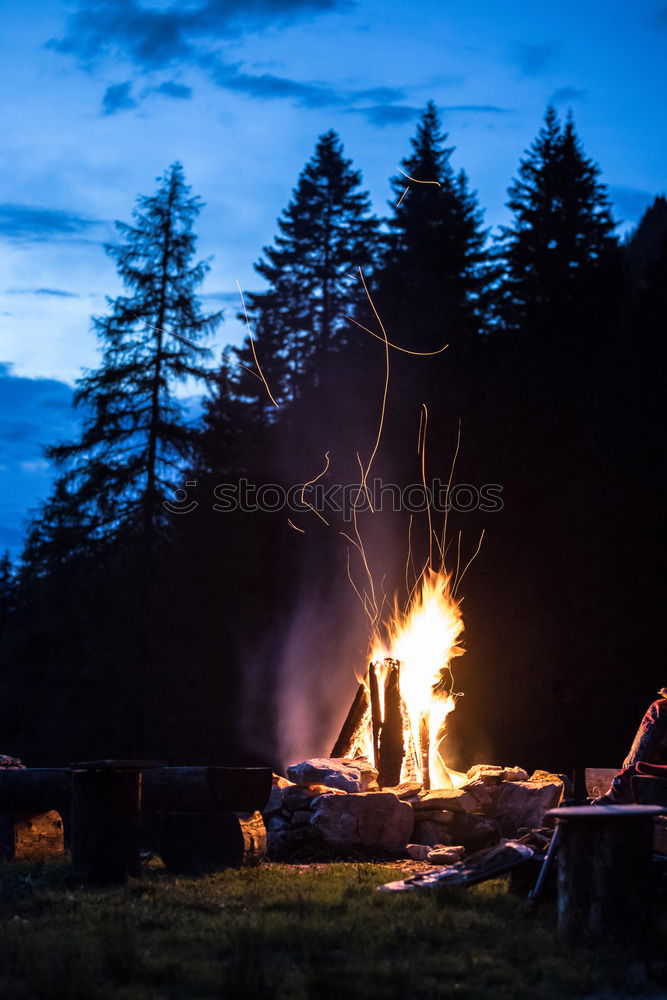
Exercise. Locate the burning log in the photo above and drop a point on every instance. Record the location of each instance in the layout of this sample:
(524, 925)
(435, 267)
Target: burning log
(354, 721)
(398, 717)
(376, 712)
(390, 750)
(425, 750)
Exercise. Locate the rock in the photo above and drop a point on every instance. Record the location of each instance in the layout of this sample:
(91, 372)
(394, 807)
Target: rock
(515, 774)
(453, 799)
(275, 802)
(474, 830)
(446, 855)
(524, 803)
(493, 774)
(302, 796)
(356, 775)
(431, 834)
(12, 763)
(406, 790)
(483, 795)
(440, 816)
(365, 819)
(490, 774)
(301, 816)
(418, 852)
(284, 844)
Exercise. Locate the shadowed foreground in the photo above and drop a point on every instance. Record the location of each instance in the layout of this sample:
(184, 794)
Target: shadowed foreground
(288, 932)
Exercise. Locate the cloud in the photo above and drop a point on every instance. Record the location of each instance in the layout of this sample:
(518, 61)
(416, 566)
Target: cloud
(57, 292)
(631, 203)
(478, 109)
(534, 60)
(270, 87)
(382, 115)
(565, 95)
(118, 97)
(178, 91)
(154, 40)
(32, 222)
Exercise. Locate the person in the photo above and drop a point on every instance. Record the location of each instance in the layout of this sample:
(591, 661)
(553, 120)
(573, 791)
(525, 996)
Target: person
(649, 748)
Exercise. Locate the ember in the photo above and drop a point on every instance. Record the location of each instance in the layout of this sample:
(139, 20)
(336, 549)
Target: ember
(398, 717)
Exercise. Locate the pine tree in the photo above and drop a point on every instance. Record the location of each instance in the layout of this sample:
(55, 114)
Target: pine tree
(326, 234)
(8, 586)
(135, 434)
(434, 272)
(560, 248)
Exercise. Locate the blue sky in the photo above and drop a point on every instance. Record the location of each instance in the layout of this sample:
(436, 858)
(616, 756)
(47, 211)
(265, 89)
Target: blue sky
(102, 95)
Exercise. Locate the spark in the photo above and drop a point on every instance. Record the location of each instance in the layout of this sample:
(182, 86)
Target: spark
(470, 561)
(423, 425)
(310, 483)
(293, 525)
(396, 347)
(415, 181)
(252, 347)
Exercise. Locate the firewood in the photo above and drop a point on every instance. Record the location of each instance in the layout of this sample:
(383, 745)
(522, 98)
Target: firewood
(391, 735)
(193, 843)
(354, 719)
(425, 751)
(31, 837)
(376, 711)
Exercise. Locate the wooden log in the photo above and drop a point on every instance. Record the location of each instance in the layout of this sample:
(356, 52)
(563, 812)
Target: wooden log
(391, 735)
(192, 843)
(105, 824)
(425, 750)
(605, 887)
(376, 711)
(35, 790)
(206, 789)
(353, 720)
(31, 837)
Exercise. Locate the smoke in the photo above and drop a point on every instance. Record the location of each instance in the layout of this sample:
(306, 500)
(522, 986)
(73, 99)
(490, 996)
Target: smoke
(324, 649)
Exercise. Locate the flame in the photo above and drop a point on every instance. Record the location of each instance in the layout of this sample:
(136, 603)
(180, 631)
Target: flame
(424, 637)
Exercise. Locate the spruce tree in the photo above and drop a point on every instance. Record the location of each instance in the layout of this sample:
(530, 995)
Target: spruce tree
(434, 274)
(325, 234)
(560, 252)
(135, 435)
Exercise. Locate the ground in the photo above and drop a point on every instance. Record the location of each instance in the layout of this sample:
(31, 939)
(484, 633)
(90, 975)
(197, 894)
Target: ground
(291, 932)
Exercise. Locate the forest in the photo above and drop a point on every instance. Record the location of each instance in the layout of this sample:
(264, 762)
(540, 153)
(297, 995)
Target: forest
(187, 591)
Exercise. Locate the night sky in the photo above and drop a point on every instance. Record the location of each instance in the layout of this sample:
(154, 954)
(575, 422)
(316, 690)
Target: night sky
(101, 96)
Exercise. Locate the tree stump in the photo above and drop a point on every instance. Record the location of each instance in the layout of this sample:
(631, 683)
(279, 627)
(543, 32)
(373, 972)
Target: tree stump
(604, 873)
(105, 822)
(193, 843)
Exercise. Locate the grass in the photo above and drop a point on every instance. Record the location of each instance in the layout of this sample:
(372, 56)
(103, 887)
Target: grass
(288, 933)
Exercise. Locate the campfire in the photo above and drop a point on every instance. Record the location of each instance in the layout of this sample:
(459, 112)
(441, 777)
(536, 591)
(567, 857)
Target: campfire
(398, 717)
